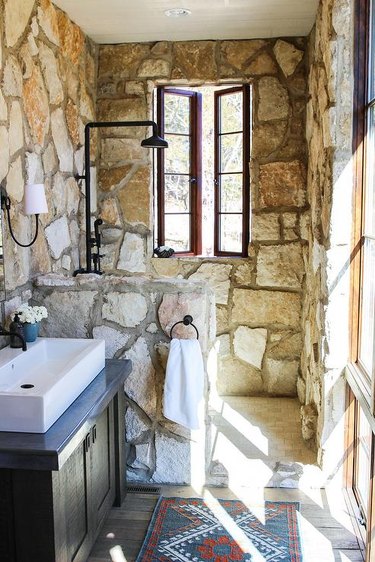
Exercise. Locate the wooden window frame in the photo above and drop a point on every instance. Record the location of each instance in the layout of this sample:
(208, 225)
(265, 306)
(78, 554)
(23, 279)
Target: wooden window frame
(195, 170)
(245, 89)
(360, 113)
(361, 390)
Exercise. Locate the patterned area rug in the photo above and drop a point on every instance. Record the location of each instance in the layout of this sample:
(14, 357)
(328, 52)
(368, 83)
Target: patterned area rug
(188, 530)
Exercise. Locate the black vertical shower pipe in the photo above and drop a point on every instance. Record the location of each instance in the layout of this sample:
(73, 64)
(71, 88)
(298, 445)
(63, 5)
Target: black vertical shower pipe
(87, 176)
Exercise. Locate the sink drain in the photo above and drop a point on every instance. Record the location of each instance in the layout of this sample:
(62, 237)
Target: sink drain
(27, 386)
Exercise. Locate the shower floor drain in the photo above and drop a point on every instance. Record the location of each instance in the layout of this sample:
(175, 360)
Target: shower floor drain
(143, 490)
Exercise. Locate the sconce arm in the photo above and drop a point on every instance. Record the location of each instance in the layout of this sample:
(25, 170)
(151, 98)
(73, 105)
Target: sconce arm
(5, 204)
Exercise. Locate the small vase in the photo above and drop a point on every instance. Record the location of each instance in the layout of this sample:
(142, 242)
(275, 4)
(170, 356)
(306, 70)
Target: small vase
(31, 331)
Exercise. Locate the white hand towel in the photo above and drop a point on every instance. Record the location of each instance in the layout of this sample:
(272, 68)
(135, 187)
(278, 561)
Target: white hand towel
(184, 383)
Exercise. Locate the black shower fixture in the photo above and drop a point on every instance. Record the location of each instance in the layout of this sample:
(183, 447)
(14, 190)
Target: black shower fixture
(155, 141)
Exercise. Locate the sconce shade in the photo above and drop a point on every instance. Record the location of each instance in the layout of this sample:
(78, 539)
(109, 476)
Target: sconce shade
(34, 200)
(154, 142)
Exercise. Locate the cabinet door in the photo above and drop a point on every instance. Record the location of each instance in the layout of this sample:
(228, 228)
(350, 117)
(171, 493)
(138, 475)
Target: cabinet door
(102, 466)
(77, 498)
(7, 553)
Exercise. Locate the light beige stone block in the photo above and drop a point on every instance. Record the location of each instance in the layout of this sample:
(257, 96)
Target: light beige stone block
(132, 254)
(15, 182)
(217, 277)
(4, 152)
(237, 53)
(17, 14)
(76, 323)
(244, 273)
(172, 460)
(280, 266)
(281, 377)
(62, 141)
(288, 56)
(135, 197)
(114, 339)
(58, 236)
(15, 128)
(236, 379)
(51, 74)
(273, 100)
(265, 227)
(154, 68)
(140, 385)
(263, 308)
(12, 79)
(126, 309)
(250, 345)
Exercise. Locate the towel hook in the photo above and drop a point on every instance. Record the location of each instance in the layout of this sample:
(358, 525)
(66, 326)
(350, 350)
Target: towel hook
(187, 321)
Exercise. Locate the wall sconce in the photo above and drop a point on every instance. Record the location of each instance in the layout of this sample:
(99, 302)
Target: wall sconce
(34, 203)
(155, 141)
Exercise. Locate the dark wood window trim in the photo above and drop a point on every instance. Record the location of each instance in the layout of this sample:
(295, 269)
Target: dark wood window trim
(195, 170)
(245, 89)
(361, 385)
(357, 515)
(360, 112)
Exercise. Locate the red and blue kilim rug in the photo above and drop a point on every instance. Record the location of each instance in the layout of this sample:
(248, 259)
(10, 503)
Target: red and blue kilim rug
(186, 530)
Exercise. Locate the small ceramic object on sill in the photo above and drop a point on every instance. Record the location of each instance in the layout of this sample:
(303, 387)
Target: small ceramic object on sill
(164, 252)
(31, 331)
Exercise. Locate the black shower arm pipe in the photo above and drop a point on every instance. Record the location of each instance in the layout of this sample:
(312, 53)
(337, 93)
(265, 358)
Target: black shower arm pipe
(87, 176)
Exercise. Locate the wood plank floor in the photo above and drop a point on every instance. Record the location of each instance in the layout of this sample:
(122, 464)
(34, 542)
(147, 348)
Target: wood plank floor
(325, 524)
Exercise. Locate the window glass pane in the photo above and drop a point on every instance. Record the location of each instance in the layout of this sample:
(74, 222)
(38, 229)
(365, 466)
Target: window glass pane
(367, 306)
(231, 159)
(177, 157)
(231, 193)
(177, 232)
(177, 194)
(231, 112)
(231, 233)
(362, 480)
(176, 114)
(369, 227)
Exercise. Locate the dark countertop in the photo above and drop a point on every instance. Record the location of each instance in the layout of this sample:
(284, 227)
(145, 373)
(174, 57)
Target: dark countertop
(49, 451)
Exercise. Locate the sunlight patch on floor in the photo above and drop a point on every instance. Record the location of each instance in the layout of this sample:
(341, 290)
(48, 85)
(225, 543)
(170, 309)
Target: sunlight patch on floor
(259, 442)
(249, 472)
(117, 554)
(315, 546)
(250, 431)
(232, 528)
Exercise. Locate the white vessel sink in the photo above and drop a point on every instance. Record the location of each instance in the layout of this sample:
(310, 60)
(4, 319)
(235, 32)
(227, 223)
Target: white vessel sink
(38, 385)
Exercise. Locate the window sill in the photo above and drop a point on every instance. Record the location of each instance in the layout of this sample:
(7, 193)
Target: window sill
(202, 258)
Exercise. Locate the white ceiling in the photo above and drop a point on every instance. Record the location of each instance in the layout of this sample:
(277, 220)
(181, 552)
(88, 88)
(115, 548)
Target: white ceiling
(123, 21)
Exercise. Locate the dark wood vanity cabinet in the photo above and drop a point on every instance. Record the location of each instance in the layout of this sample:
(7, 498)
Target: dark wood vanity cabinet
(88, 484)
(55, 515)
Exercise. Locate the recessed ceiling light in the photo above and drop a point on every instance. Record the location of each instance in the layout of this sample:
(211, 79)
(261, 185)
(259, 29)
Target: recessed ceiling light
(177, 12)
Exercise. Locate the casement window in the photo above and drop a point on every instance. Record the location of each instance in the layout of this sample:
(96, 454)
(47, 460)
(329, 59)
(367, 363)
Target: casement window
(360, 424)
(203, 201)
(363, 263)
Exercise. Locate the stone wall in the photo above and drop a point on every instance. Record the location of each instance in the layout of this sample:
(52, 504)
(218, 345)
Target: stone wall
(259, 298)
(134, 316)
(48, 89)
(326, 303)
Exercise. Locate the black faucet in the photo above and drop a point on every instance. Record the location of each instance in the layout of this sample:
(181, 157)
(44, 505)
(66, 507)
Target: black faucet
(4, 332)
(97, 241)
